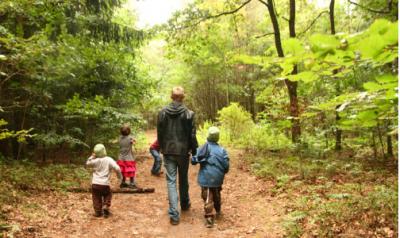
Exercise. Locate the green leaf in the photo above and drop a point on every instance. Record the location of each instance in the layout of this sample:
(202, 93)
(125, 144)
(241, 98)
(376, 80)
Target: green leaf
(391, 35)
(293, 47)
(386, 56)
(368, 118)
(387, 78)
(371, 46)
(306, 76)
(287, 67)
(380, 26)
(372, 86)
(324, 43)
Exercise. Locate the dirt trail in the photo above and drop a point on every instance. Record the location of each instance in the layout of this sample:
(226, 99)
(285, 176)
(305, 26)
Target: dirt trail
(247, 211)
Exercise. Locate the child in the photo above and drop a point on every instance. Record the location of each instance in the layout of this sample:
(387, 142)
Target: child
(101, 192)
(126, 160)
(155, 152)
(214, 164)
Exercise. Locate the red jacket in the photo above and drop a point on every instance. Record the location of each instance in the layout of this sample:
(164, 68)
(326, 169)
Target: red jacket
(155, 146)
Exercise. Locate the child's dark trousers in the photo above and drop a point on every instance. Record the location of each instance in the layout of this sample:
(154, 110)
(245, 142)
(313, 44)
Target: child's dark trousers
(212, 199)
(101, 195)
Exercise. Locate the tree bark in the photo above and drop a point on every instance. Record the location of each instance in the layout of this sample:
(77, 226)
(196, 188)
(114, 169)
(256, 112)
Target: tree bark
(291, 86)
(338, 131)
(389, 144)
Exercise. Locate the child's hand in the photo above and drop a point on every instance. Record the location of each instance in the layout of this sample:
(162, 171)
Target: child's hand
(93, 155)
(133, 141)
(194, 160)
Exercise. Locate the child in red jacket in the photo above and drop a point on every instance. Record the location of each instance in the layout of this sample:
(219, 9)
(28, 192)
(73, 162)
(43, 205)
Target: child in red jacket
(155, 152)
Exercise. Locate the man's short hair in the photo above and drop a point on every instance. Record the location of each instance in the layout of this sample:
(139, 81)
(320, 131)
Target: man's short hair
(177, 93)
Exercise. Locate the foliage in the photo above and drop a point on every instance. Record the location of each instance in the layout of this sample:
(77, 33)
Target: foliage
(263, 137)
(237, 128)
(20, 178)
(346, 82)
(70, 69)
(329, 197)
(235, 120)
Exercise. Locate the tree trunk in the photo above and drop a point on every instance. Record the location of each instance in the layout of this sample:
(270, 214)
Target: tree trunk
(389, 144)
(338, 143)
(291, 86)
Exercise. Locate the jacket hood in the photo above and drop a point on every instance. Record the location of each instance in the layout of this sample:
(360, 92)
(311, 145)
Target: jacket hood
(175, 109)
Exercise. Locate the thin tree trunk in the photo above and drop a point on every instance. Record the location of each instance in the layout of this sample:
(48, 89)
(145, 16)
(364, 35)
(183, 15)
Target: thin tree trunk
(291, 86)
(389, 144)
(381, 140)
(338, 143)
(374, 145)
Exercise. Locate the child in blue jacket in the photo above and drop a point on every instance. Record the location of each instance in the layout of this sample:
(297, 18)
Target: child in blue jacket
(214, 164)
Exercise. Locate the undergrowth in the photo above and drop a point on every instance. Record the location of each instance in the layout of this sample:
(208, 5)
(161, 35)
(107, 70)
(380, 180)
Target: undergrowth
(19, 179)
(332, 197)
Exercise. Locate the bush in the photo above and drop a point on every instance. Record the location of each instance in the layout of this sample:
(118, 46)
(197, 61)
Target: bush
(235, 121)
(202, 132)
(262, 137)
(238, 128)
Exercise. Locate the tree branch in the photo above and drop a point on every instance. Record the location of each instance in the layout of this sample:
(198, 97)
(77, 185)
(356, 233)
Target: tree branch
(285, 18)
(266, 34)
(263, 2)
(230, 12)
(312, 23)
(387, 10)
(205, 18)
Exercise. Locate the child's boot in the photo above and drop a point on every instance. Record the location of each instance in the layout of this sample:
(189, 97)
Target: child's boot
(97, 214)
(123, 185)
(106, 211)
(132, 184)
(209, 222)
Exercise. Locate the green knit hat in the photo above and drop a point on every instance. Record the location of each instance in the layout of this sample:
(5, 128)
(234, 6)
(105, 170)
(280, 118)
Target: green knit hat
(213, 134)
(100, 151)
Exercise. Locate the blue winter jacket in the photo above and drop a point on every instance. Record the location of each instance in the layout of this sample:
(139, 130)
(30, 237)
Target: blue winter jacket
(214, 164)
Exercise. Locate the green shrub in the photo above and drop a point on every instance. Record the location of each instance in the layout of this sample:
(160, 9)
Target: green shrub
(263, 137)
(202, 132)
(235, 121)
(238, 128)
(292, 224)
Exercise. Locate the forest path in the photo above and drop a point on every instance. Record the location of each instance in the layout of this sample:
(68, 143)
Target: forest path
(247, 210)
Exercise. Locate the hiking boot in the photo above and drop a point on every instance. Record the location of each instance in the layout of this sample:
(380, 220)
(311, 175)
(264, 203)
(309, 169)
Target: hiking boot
(106, 213)
(186, 207)
(157, 174)
(218, 215)
(209, 222)
(173, 222)
(123, 185)
(132, 185)
(97, 214)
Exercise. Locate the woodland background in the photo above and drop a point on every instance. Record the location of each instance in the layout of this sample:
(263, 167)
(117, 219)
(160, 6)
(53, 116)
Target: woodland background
(309, 93)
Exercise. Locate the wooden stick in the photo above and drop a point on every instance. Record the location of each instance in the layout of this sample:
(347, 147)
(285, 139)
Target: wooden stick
(127, 190)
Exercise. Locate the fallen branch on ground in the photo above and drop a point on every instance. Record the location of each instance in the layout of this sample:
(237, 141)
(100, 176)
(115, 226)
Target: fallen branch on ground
(125, 190)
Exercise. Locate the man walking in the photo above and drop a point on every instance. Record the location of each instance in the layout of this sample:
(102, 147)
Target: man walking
(176, 134)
